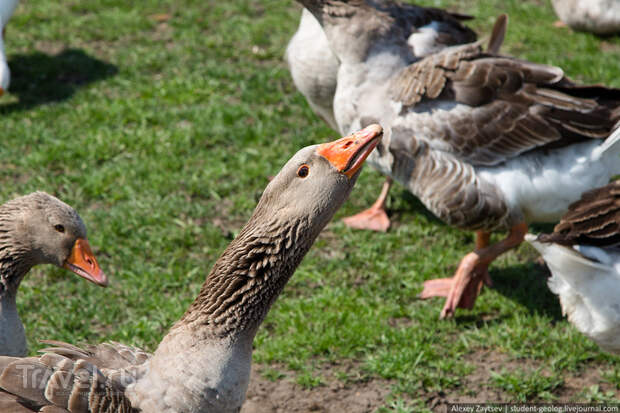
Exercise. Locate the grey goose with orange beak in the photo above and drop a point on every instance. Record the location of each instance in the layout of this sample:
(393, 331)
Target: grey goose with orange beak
(203, 363)
(38, 229)
(487, 142)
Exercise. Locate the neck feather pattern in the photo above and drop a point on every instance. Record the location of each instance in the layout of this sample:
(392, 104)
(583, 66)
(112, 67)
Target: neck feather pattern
(14, 263)
(249, 276)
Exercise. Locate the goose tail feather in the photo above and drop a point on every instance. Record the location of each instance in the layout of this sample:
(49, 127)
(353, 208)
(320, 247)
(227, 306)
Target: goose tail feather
(609, 151)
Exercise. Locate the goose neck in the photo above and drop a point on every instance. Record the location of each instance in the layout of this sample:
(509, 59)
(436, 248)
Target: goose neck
(249, 276)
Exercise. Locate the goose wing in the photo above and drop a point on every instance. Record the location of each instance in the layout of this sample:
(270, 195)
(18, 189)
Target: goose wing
(485, 108)
(593, 220)
(67, 378)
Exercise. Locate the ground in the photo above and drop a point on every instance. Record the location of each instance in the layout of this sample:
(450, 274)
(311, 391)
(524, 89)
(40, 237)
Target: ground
(161, 121)
(282, 394)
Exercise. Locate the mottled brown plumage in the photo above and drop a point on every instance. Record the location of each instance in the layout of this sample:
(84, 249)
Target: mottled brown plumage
(593, 220)
(449, 187)
(68, 385)
(517, 106)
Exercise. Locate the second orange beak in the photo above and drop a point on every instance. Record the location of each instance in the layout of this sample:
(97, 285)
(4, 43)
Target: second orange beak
(82, 262)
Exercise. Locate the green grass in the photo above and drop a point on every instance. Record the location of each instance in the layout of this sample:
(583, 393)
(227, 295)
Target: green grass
(160, 123)
(526, 384)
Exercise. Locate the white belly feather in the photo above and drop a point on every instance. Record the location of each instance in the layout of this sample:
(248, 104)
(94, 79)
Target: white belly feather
(543, 183)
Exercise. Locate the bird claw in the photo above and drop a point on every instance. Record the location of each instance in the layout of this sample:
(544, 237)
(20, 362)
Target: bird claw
(461, 290)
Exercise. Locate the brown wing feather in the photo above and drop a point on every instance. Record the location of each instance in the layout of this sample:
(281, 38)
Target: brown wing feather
(593, 220)
(498, 33)
(501, 106)
(68, 379)
(110, 355)
(449, 188)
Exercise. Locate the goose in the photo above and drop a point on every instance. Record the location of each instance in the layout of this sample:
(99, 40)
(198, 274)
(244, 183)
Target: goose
(38, 229)
(583, 254)
(597, 16)
(203, 363)
(487, 142)
(314, 67)
(419, 31)
(7, 7)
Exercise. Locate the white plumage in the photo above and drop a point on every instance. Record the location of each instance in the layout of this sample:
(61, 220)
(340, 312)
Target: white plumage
(587, 281)
(542, 184)
(596, 16)
(6, 11)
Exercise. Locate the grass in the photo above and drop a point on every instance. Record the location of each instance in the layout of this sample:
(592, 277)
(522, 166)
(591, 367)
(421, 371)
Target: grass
(527, 384)
(160, 123)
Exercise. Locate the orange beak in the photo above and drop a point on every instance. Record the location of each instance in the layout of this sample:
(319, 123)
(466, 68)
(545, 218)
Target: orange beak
(348, 154)
(82, 262)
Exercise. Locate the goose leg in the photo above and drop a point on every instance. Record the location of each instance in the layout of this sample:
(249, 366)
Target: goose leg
(440, 287)
(374, 218)
(463, 288)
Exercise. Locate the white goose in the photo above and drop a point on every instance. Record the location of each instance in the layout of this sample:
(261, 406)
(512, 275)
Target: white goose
(596, 16)
(583, 254)
(487, 142)
(7, 7)
(314, 67)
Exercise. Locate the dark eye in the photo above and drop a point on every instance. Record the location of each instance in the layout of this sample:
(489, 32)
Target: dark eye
(59, 228)
(303, 171)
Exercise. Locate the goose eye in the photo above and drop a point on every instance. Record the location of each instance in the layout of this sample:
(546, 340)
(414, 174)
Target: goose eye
(303, 171)
(59, 228)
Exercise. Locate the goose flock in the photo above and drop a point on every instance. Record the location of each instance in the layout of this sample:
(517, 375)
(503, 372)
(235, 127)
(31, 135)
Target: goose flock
(486, 141)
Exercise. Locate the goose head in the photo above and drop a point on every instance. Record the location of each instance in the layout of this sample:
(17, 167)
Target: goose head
(40, 229)
(293, 209)
(354, 27)
(315, 182)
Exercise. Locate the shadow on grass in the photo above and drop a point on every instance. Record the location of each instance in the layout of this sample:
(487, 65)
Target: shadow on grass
(39, 78)
(527, 284)
(523, 283)
(480, 321)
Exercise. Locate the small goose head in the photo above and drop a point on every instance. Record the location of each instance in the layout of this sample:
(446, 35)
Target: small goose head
(50, 231)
